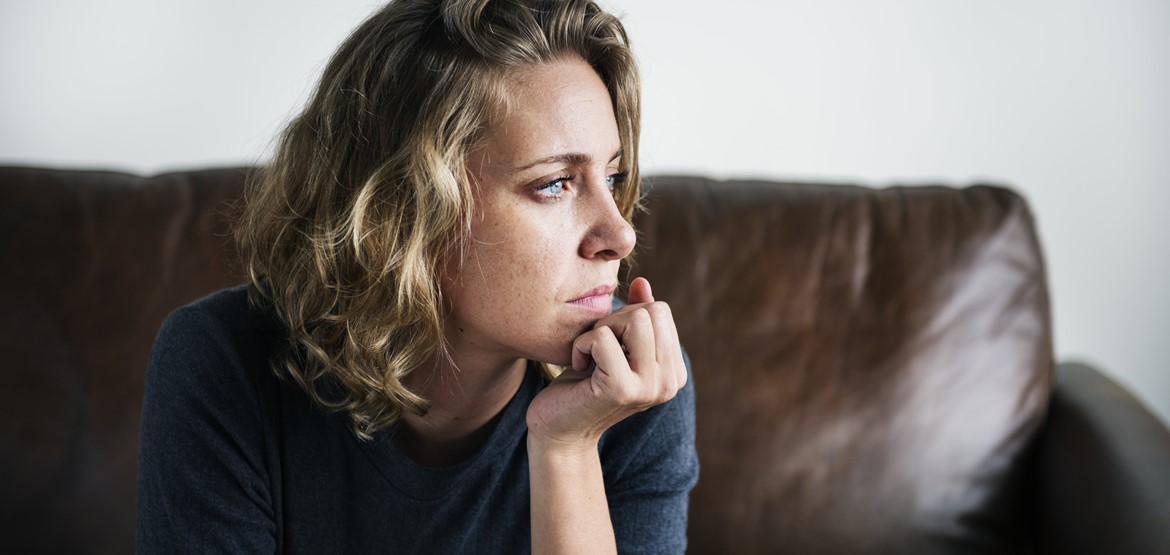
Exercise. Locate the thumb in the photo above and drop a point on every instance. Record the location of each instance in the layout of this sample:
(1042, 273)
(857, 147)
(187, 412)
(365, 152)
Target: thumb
(640, 291)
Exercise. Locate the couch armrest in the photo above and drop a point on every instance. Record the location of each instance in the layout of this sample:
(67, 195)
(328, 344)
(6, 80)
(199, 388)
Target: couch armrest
(1102, 470)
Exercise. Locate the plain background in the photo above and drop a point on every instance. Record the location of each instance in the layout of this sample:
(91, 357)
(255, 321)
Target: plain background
(1066, 101)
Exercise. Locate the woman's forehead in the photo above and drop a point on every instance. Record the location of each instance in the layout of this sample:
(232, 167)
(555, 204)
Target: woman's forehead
(557, 109)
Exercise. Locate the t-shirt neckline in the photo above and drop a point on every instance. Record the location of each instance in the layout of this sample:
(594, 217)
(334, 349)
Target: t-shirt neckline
(430, 483)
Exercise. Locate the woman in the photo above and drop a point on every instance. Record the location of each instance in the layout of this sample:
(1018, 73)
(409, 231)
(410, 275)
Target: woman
(441, 229)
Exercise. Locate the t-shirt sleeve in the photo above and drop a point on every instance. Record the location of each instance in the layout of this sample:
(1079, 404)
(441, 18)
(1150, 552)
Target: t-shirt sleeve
(202, 478)
(650, 466)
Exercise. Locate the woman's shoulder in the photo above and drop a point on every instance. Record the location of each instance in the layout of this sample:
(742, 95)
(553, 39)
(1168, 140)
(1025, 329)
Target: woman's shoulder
(222, 337)
(231, 310)
(207, 435)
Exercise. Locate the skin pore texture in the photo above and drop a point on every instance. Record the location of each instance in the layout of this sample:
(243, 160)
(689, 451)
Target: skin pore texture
(535, 284)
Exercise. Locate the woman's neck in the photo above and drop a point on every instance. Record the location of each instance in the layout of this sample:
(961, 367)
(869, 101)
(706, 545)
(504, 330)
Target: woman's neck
(465, 398)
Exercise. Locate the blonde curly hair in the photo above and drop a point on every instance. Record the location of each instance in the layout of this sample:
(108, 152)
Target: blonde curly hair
(345, 232)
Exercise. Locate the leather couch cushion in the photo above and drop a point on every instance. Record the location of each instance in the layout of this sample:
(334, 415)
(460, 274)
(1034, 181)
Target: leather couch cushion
(869, 365)
(93, 263)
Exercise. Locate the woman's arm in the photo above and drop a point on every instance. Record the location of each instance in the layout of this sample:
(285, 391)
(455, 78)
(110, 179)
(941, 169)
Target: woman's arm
(631, 361)
(202, 480)
(570, 513)
(650, 467)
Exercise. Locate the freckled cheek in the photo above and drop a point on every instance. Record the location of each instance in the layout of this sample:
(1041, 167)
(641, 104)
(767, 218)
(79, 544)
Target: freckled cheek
(529, 252)
(504, 263)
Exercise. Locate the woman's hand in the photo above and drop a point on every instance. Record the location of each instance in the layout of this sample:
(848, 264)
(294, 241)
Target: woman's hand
(630, 361)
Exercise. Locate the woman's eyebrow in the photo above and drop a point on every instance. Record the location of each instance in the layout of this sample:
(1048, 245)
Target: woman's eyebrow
(571, 158)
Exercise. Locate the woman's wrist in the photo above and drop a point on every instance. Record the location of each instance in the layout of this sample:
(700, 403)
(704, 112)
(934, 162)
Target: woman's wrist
(559, 449)
(570, 513)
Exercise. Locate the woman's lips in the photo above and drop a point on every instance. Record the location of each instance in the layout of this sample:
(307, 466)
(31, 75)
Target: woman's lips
(596, 301)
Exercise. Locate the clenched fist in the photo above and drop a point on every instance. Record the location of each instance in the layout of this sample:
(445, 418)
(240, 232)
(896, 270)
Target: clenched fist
(630, 361)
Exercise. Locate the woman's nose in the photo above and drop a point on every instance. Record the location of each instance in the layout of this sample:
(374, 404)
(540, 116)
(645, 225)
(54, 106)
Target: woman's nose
(609, 236)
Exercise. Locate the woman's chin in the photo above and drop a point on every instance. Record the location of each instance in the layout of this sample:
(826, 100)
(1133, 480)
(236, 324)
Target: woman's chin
(557, 348)
(558, 352)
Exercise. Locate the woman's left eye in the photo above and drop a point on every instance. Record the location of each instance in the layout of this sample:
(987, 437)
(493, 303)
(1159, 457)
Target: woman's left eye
(553, 188)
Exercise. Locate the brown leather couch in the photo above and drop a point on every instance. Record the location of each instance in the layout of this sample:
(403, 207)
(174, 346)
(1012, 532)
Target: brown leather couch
(873, 368)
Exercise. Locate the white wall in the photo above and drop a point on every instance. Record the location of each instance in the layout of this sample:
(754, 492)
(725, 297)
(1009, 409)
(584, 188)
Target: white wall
(1069, 101)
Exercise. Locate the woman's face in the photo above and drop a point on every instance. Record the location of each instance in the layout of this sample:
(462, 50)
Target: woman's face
(547, 237)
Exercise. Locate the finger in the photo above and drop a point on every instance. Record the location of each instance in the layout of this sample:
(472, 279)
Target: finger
(639, 295)
(665, 343)
(649, 334)
(583, 350)
(601, 343)
(636, 335)
(667, 348)
(570, 375)
(634, 330)
(663, 322)
(613, 373)
(680, 361)
(640, 291)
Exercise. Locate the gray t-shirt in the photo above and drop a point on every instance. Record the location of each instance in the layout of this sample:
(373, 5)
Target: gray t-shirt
(235, 460)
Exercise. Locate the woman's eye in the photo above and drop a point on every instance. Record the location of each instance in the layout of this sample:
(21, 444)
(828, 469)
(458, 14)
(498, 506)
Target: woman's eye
(612, 181)
(553, 188)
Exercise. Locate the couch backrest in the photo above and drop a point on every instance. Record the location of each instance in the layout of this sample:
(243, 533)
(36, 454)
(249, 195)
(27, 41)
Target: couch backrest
(93, 261)
(869, 364)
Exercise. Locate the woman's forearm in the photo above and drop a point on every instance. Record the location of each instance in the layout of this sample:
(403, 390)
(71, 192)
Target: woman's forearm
(629, 362)
(569, 509)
